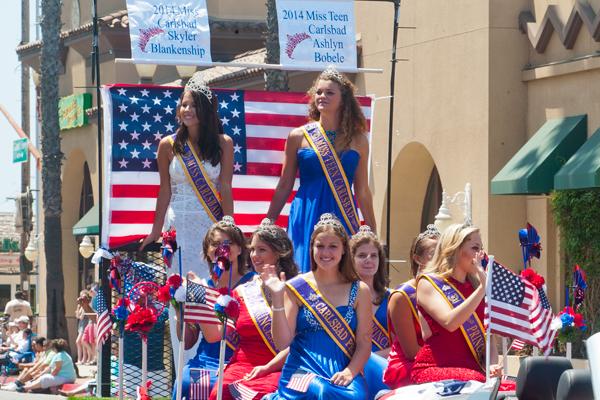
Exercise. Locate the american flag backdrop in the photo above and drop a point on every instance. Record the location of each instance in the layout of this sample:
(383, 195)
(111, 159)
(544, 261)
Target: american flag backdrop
(136, 117)
(104, 322)
(517, 310)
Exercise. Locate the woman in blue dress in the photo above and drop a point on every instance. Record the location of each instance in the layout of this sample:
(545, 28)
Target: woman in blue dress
(369, 262)
(207, 355)
(324, 316)
(335, 115)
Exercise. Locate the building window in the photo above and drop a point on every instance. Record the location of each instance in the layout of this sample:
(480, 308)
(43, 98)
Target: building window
(4, 296)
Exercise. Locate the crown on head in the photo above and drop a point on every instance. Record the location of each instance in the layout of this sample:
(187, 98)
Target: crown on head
(331, 73)
(267, 226)
(431, 232)
(196, 84)
(227, 221)
(364, 231)
(329, 219)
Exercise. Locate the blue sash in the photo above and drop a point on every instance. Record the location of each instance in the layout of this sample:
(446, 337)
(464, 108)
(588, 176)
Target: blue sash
(334, 172)
(260, 311)
(205, 191)
(380, 336)
(326, 315)
(472, 328)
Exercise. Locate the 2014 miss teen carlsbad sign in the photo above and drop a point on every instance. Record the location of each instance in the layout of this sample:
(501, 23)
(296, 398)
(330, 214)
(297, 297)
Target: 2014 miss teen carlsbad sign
(169, 30)
(317, 33)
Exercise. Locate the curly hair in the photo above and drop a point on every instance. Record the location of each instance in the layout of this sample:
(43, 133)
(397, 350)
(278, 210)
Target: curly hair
(346, 266)
(210, 128)
(380, 280)
(236, 236)
(446, 252)
(352, 119)
(277, 239)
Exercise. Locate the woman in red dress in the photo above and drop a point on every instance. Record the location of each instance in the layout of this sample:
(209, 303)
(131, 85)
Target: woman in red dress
(406, 336)
(450, 297)
(256, 365)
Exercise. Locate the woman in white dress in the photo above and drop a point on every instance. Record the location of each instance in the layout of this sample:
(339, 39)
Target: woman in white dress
(179, 205)
(196, 170)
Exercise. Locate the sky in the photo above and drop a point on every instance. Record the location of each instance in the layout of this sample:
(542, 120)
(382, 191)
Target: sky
(10, 98)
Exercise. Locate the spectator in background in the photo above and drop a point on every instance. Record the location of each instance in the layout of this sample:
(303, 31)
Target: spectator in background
(18, 307)
(83, 350)
(60, 371)
(33, 370)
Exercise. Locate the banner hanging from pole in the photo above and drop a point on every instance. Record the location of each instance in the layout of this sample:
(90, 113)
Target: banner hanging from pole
(176, 32)
(317, 33)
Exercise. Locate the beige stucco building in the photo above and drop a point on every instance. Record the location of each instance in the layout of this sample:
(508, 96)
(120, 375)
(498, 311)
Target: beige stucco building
(476, 79)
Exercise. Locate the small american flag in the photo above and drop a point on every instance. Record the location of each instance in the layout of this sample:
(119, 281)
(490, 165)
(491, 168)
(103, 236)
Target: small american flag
(301, 380)
(239, 391)
(200, 305)
(517, 311)
(137, 117)
(517, 345)
(199, 384)
(104, 322)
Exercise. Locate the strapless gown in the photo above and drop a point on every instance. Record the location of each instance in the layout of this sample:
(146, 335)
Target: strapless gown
(313, 198)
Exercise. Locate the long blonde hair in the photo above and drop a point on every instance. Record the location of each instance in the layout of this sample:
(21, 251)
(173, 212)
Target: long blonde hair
(446, 252)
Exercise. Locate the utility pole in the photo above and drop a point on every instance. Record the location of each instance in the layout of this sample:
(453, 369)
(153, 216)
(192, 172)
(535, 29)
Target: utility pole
(25, 197)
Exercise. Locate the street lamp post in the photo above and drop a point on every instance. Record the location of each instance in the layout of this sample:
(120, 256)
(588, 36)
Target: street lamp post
(463, 199)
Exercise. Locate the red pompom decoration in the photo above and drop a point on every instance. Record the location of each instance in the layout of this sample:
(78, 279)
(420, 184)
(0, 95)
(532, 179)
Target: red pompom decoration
(536, 280)
(174, 281)
(141, 320)
(164, 294)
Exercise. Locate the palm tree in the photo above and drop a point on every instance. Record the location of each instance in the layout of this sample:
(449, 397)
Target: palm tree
(51, 166)
(274, 80)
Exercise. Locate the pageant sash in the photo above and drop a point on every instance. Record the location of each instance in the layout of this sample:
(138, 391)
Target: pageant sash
(232, 339)
(326, 315)
(260, 311)
(472, 328)
(334, 172)
(207, 194)
(410, 293)
(380, 336)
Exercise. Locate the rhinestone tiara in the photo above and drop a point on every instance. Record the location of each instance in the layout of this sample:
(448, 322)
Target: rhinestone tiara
(329, 219)
(364, 231)
(196, 84)
(431, 232)
(331, 73)
(228, 221)
(267, 226)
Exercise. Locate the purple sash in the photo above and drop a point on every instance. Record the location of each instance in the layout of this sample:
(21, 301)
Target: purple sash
(326, 315)
(472, 328)
(260, 311)
(334, 172)
(207, 194)
(410, 293)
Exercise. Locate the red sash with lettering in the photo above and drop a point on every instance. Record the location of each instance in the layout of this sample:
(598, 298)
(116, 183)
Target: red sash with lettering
(206, 192)
(334, 172)
(472, 328)
(326, 315)
(259, 310)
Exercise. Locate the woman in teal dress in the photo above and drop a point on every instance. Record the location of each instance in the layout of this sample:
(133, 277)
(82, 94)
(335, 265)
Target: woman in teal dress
(324, 317)
(336, 114)
(369, 262)
(207, 355)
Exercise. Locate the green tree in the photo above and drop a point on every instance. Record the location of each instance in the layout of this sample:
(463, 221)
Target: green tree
(51, 168)
(577, 213)
(275, 80)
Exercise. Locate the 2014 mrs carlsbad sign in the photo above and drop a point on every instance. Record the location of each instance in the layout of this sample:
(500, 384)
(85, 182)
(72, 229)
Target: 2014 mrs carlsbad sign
(175, 31)
(317, 33)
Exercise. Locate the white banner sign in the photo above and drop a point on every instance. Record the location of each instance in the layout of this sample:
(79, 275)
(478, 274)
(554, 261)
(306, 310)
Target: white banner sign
(175, 30)
(317, 33)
